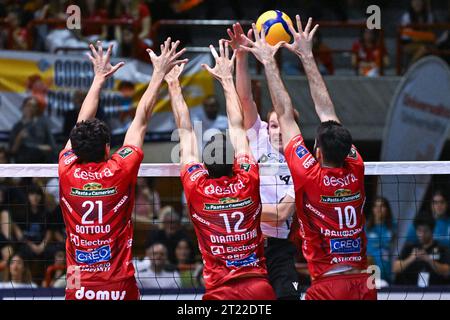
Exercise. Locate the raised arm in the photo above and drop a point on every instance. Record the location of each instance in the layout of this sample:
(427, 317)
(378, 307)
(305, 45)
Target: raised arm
(103, 69)
(281, 101)
(223, 71)
(302, 47)
(162, 64)
(243, 82)
(188, 140)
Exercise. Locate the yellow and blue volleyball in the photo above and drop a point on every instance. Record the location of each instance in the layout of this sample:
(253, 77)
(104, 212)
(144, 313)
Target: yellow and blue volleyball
(275, 24)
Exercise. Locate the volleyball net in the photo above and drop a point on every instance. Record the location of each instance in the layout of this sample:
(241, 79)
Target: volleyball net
(166, 257)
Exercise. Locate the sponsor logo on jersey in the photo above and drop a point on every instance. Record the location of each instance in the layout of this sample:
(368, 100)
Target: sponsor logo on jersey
(102, 267)
(231, 189)
(92, 186)
(234, 249)
(216, 250)
(68, 153)
(85, 175)
(198, 174)
(121, 202)
(336, 260)
(228, 200)
(339, 182)
(125, 152)
(193, 168)
(102, 254)
(82, 293)
(309, 162)
(93, 192)
(353, 154)
(345, 245)
(301, 151)
(75, 239)
(67, 204)
(70, 160)
(341, 196)
(245, 166)
(315, 211)
(250, 260)
(227, 206)
(195, 216)
(234, 237)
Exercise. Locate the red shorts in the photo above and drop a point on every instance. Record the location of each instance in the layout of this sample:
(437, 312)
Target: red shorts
(121, 290)
(341, 287)
(252, 288)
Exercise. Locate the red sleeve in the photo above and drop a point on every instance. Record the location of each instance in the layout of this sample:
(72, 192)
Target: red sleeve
(66, 159)
(354, 159)
(129, 158)
(246, 166)
(301, 162)
(191, 176)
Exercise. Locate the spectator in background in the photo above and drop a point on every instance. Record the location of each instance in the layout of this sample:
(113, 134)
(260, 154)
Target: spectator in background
(440, 213)
(369, 54)
(185, 262)
(38, 89)
(17, 275)
(147, 201)
(30, 225)
(417, 42)
(71, 116)
(55, 275)
(380, 236)
(6, 249)
(323, 55)
(94, 10)
(138, 12)
(169, 233)
(426, 263)
(154, 271)
(18, 34)
(212, 122)
(31, 140)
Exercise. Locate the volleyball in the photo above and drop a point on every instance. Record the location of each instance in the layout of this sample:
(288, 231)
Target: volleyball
(275, 24)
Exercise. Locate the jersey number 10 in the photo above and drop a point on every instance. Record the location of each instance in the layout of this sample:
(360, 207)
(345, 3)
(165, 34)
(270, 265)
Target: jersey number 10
(350, 217)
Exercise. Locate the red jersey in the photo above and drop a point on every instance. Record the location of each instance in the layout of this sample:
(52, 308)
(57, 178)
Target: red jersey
(330, 205)
(226, 215)
(97, 201)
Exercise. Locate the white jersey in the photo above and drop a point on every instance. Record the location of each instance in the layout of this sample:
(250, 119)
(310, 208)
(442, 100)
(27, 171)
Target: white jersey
(272, 188)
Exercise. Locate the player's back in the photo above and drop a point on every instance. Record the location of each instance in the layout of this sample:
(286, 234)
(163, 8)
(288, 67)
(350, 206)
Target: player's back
(226, 216)
(330, 205)
(97, 201)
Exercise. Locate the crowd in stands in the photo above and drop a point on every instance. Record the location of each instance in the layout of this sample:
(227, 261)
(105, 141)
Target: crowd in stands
(32, 233)
(135, 27)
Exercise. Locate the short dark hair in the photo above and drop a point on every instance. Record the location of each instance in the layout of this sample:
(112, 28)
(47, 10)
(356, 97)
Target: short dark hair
(218, 166)
(89, 139)
(334, 142)
(424, 219)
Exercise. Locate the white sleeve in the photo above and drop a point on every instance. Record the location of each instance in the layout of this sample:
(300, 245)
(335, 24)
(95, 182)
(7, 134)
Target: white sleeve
(258, 138)
(291, 191)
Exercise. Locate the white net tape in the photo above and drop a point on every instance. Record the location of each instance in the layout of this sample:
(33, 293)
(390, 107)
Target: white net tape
(173, 169)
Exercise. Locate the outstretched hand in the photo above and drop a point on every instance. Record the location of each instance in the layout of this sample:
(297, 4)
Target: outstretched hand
(174, 74)
(168, 58)
(236, 40)
(224, 64)
(303, 40)
(262, 50)
(101, 62)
